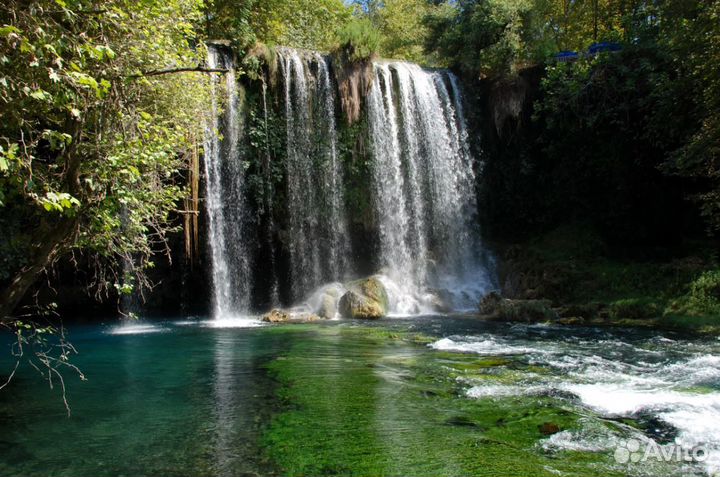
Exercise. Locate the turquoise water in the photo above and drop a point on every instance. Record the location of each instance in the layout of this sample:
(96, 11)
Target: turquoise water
(428, 396)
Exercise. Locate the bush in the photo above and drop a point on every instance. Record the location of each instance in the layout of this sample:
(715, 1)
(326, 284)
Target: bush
(635, 309)
(703, 298)
(359, 40)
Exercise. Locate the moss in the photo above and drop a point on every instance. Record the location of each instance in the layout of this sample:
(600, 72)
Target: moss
(258, 57)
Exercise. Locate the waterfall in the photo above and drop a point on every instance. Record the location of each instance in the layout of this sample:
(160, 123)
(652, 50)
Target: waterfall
(422, 188)
(423, 182)
(269, 191)
(225, 198)
(318, 234)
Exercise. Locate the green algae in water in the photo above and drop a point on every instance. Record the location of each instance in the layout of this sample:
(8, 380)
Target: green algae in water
(331, 398)
(354, 406)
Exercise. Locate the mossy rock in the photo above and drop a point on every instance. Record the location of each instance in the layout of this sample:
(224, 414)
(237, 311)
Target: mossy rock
(365, 299)
(354, 305)
(526, 311)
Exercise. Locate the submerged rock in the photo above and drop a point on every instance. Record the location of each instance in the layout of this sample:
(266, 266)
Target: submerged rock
(548, 428)
(365, 299)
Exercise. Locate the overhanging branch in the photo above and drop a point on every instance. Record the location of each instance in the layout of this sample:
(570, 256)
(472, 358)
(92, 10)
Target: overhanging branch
(197, 69)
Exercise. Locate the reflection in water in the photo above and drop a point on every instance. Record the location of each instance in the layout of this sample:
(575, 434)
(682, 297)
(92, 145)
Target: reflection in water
(226, 405)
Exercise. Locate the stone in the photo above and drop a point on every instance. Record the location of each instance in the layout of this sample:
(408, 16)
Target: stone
(490, 303)
(548, 428)
(282, 316)
(355, 305)
(441, 300)
(526, 311)
(276, 316)
(366, 298)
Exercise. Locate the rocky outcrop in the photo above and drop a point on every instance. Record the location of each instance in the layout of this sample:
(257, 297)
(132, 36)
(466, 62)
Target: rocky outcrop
(527, 311)
(354, 81)
(365, 299)
(276, 316)
(282, 316)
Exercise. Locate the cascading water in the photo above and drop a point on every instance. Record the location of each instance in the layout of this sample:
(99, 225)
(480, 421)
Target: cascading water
(226, 207)
(423, 189)
(423, 183)
(317, 235)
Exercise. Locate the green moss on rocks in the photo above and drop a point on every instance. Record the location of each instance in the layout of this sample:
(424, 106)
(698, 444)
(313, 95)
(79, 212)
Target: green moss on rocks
(365, 299)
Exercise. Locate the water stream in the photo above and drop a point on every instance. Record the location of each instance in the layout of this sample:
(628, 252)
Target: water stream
(421, 396)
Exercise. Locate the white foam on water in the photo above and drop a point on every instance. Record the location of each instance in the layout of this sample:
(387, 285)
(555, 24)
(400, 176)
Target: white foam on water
(404, 299)
(677, 382)
(587, 439)
(135, 329)
(484, 345)
(494, 390)
(232, 322)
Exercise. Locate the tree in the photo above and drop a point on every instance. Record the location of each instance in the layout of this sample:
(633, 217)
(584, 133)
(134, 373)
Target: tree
(295, 23)
(97, 108)
(691, 31)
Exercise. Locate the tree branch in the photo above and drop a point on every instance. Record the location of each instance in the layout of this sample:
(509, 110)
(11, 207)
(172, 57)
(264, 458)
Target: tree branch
(198, 69)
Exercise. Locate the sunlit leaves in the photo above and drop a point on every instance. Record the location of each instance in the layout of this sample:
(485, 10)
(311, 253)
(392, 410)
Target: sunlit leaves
(58, 202)
(69, 106)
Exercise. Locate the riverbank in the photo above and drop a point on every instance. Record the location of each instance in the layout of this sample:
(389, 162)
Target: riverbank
(570, 276)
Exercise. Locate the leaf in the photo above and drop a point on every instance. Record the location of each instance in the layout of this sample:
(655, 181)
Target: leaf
(41, 95)
(6, 30)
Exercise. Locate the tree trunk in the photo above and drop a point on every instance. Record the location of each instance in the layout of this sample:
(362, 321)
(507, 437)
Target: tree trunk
(52, 241)
(53, 237)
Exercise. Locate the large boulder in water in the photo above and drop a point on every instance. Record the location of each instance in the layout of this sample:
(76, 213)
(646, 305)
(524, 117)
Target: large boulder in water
(365, 299)
(324, 301)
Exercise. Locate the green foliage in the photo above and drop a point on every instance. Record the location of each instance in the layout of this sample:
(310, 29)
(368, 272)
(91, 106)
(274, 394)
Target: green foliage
(493, 37)
(295, 23)
(402, 28)
(703, 297)
(265, 154)
(693, 35)
(85, 136)
(359, 39)
(635, 309)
